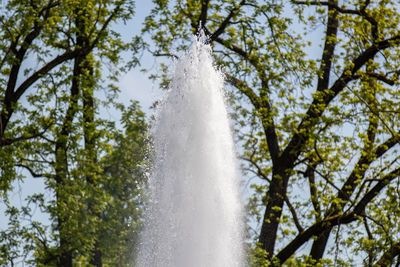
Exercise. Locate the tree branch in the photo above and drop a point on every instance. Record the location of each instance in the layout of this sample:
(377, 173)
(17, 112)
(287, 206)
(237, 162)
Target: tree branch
(259, 170)
(103, 28)
(45, 69)
(9, 141)
(334, 220)
(245, 89)
(226, 21)
(294, 215)
(310, 173)
(389, 255)
(320, 103)
(361, 12)
(379, 77)
(32, 172)
(203, 15)
(371, 194)
(13, 97)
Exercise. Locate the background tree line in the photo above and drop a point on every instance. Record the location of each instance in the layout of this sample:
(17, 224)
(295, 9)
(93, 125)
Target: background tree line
(314, 98)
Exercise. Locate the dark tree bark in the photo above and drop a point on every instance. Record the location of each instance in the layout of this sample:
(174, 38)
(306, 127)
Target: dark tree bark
(61, 165)
(319, 245)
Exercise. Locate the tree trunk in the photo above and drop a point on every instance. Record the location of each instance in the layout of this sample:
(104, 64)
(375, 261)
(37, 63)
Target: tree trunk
(97, 256)
(61, 166)
(90, 148)
(65, 259)
(319, 245)
(273, 211)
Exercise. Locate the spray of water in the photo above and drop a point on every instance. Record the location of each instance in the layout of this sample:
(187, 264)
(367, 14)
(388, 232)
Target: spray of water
(194, 217)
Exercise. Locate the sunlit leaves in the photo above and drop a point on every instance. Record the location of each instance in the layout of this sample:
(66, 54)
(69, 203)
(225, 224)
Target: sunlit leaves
(53, 131)
(275, 51)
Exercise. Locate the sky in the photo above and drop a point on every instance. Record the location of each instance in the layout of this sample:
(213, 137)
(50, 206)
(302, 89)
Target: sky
(135, 85)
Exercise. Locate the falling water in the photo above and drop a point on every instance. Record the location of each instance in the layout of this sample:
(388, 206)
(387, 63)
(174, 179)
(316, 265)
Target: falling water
(194, 217)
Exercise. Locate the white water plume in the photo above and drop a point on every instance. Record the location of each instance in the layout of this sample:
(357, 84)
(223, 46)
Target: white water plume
(194, 216)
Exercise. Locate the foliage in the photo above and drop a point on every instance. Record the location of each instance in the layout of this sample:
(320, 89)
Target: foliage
(125, 170)
(51, 128)
(317, 118)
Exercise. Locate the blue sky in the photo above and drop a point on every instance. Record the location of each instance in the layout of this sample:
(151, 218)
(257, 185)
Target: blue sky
(135, 85)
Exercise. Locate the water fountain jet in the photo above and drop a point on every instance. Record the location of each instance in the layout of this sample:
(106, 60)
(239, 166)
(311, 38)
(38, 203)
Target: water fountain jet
(194, 216)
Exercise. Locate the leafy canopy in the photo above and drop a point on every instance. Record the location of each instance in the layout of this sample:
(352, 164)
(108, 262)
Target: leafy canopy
(315, 93)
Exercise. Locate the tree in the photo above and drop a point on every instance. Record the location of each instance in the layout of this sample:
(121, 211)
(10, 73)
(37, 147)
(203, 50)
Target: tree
(318, 125)
(125, 170)
(50, 127)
